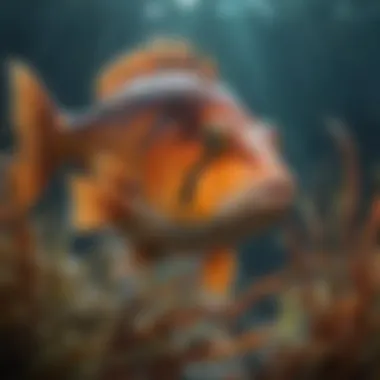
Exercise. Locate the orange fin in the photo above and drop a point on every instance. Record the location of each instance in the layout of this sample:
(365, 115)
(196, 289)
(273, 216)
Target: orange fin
(94, 195)
(219, 271)
(157, 54)
(88, 211)
(36, 121)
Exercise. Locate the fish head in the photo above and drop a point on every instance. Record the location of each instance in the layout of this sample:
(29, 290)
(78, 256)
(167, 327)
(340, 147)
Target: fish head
(219, 164)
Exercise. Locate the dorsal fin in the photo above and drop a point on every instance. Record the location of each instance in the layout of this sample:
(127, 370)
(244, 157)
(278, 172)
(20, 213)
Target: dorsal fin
(156, 55)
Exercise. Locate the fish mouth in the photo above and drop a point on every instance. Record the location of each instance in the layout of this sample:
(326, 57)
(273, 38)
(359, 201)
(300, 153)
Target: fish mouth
(251, 211)
(275, 194)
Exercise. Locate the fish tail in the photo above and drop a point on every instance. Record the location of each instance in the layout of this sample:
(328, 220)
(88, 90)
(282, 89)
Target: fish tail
(37, 134)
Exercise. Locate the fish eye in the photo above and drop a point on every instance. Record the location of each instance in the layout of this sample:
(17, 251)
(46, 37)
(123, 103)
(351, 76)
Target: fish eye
(215, 137)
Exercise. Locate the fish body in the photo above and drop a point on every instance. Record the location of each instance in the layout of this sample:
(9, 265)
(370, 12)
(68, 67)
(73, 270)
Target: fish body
(169, 155)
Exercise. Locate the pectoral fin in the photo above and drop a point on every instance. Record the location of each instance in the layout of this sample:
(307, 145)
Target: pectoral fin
(219, 271)
(88, 209)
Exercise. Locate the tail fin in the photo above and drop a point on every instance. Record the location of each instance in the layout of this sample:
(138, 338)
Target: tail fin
(35, 120)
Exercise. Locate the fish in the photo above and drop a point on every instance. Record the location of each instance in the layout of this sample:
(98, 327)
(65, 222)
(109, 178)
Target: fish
(169, 155)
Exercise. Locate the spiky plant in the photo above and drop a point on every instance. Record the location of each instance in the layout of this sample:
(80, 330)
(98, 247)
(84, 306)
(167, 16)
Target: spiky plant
(54, 318)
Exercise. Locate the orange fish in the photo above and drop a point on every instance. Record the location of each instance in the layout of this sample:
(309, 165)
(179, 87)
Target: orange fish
(169, 154)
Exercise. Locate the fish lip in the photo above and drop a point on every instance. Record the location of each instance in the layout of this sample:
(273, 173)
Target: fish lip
(255, 207)
(271, 194)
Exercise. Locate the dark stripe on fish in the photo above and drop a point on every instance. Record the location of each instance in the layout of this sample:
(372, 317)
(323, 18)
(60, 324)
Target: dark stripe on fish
(142, 93)
(167, 88)
(215, 143)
